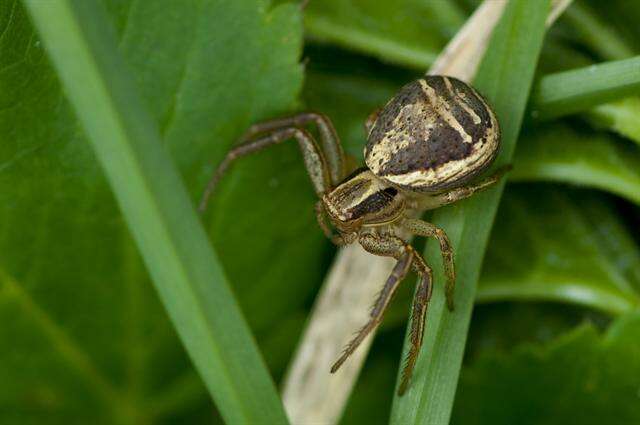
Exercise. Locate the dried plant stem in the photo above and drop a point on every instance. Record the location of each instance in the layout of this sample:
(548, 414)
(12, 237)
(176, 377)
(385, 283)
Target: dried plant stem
(311, 394)
(464, 52)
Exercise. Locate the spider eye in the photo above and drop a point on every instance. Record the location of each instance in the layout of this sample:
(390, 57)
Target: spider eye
(391, 191)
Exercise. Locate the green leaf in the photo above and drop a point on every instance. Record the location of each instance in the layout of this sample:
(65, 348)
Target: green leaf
(610, 30)
(572, 249)
(581, 378)
(503, 326)
(577, 90)
(407, 32)
(89, 340)
(623, 15)
(563, 154)
(621, 116)
(600, 36)
(505, 77)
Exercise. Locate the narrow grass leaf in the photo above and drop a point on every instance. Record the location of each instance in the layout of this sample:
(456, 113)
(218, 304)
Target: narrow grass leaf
(621, 116)
(505, 77)
(598, 34)
(157, 208)
(576, 90)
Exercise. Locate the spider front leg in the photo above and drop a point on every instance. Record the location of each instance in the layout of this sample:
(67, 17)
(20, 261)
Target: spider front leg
(371, 120)
(313, 159)
(423, 228)
(418, 317)
(463, 192)
(328, 138)
(391, 246)
(385, 247)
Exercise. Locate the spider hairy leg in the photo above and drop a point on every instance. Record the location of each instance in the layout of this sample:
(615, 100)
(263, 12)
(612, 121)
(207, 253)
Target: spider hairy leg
(329, 139)
(418, 316)
(371, 119)
(388, 247)
(423, 228)
(392, 246)
(313, 159)
(398, 273)
(464, 192)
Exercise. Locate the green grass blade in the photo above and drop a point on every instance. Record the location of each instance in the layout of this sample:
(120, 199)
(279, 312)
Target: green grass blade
(620, 116)
(505, 78)
(597, 33)
(576, 90)
(158, 211)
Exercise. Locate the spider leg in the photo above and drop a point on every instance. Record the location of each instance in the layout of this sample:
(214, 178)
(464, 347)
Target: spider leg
(392, 247)
(371, 120)
(423, 228)
(329, 140)
(463, 192)
(418, 315)
(313, 159)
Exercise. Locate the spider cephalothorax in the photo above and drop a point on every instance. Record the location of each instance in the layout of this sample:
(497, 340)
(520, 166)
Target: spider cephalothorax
(423, 147)
(363, 199)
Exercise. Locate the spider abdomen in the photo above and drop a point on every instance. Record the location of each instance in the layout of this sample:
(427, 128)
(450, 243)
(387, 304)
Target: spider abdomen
(436, 133)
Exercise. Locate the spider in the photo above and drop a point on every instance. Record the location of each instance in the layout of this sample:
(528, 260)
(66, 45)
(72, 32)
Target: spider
(423, 148)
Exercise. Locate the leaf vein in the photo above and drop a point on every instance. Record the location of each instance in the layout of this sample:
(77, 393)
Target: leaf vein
(70, 351)
(10, 20)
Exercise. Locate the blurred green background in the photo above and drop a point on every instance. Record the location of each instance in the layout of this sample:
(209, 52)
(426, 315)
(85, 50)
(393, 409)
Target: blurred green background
(555, 337)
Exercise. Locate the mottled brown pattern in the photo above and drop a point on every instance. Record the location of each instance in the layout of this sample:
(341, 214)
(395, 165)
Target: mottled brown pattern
(416, 132)
(409, 94)
(472, 99)
(440, 145)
